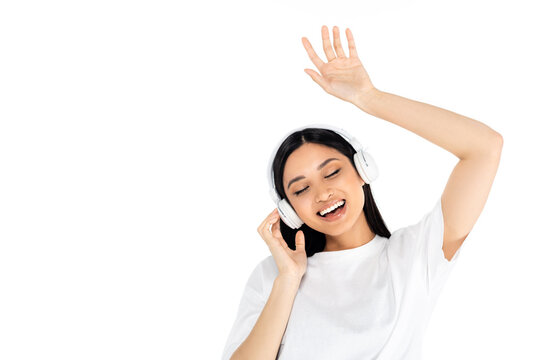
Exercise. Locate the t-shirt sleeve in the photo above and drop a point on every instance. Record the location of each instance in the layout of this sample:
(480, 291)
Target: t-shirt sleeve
(424, 241)
(251, 305)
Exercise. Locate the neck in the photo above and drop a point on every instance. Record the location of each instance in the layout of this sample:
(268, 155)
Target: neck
(356, 236)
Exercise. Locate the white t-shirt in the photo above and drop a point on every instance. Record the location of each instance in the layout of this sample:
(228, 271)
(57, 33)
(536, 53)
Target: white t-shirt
(370, 302)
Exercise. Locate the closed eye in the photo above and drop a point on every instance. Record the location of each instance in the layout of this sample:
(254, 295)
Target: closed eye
(330, 175)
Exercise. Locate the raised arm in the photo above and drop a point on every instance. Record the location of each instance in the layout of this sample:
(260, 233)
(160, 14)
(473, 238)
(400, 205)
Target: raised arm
(476, 145)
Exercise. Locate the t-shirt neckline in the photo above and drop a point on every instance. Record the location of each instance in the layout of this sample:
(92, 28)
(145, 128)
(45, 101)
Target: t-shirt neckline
(363, 250)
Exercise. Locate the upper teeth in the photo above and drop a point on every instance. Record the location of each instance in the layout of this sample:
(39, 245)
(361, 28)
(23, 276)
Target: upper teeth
(325, 211)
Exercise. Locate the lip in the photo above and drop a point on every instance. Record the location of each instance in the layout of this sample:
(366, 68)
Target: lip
(330, 205)
(337, 217)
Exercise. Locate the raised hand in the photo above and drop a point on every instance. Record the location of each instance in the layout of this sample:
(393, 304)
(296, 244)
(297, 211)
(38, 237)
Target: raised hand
(343, 77)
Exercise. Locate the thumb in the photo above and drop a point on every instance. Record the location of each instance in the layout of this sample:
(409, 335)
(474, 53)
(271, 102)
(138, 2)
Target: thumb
(316, 77)
(300, 241)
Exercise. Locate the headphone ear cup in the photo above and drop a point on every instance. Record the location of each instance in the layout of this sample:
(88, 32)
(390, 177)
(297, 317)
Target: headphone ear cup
(288, 214)
(366, 166)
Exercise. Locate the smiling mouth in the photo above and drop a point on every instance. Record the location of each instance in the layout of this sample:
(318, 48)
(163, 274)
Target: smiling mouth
(334, 212)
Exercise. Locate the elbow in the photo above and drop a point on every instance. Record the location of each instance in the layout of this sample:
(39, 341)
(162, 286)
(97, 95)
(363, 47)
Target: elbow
(498, 145)
(491, 148)
(498, 140)
(494, 147)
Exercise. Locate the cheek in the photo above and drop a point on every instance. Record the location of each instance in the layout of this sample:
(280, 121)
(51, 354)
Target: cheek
(353, 184)
(302, 205)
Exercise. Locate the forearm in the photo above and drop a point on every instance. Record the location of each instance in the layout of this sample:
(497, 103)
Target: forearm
(265, 338)
(460, 135)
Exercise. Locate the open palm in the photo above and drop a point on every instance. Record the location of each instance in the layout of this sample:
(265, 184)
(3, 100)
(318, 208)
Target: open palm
(343, 77)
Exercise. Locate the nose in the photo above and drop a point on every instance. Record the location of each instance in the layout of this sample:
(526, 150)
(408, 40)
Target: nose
(324, 194)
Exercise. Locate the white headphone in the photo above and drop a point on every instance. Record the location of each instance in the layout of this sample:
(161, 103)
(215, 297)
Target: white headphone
(363, 161)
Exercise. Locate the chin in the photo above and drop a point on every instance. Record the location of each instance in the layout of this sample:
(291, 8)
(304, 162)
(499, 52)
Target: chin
(337, 229)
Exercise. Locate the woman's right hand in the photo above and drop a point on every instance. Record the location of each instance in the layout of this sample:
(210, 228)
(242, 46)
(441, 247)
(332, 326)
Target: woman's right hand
(290, 262)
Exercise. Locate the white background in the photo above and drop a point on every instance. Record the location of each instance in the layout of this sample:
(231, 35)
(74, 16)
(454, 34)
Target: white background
(134, 141)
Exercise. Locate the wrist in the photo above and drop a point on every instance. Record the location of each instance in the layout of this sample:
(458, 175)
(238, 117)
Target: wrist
(288, 279)
(365, 98)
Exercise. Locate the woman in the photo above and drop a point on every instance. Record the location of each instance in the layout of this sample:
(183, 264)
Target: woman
(364, 293)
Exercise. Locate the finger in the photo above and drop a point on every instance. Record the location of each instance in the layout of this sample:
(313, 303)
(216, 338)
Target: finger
(300, 241)
(337, 43)
(276, 230)
(264, 223)
(316, 78)
(351, 43)
(328, 49)
(312, 55)
(267, 229)
(271, 215)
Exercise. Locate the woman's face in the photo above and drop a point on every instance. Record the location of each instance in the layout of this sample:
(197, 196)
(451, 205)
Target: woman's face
(322, 187)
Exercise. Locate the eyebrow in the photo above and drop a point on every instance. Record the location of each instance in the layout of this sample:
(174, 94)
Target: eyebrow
(297, 178)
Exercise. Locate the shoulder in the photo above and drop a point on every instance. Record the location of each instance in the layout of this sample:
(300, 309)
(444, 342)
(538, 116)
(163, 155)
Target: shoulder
(425, 230)
(263, 275)
(431, 219)
(268, 268)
